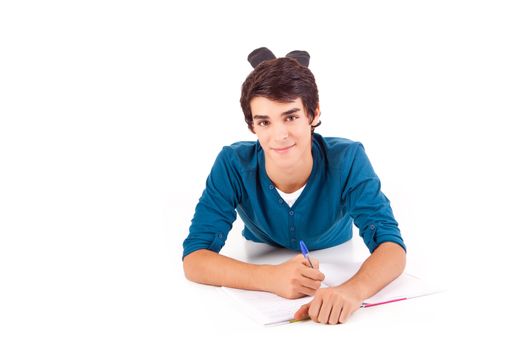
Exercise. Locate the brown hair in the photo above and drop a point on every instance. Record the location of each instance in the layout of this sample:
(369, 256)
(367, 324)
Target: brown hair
(280, 79)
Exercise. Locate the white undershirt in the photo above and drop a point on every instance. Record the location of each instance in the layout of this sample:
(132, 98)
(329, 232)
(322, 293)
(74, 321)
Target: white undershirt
(290, 198)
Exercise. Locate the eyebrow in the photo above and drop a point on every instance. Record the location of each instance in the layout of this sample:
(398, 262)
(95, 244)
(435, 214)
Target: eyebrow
(291, 111)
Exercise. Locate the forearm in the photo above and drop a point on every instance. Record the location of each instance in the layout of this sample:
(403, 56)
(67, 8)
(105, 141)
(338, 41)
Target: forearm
(207, 267)
(385, 264)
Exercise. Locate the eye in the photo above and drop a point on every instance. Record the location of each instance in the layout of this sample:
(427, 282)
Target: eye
(291, 117)
(263, 123)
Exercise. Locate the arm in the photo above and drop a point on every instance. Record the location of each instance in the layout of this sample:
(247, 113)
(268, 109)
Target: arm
(385, 264)
(207, 267)
(336, 304)
(291, 279)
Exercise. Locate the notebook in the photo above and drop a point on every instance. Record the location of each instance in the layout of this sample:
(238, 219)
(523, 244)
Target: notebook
(270, 309)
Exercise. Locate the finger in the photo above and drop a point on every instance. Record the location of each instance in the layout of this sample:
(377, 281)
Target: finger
(344, 313)
(302, 313)
(315, 306)
(315, 262)
(335, 314)
(306, 291)
(306, 263)
(310, 283)
(324, 312)
(301, 258)
(313, 274)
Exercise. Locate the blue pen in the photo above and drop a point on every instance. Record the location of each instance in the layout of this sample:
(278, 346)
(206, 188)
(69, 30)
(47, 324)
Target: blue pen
(304, 250)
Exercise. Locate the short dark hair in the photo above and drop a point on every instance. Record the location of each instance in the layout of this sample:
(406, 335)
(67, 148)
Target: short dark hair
(280, 79)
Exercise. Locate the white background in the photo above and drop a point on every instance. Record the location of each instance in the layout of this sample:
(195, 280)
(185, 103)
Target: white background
(112, 112)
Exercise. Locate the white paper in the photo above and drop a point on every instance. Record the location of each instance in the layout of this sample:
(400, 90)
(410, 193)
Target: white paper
(267, 308)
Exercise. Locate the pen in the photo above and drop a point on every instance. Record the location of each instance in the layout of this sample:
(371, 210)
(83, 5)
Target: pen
(304, 250)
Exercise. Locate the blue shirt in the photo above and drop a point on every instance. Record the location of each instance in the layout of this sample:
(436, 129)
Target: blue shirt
(342, 188)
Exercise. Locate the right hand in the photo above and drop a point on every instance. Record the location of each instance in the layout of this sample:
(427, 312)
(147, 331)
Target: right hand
(295, 278)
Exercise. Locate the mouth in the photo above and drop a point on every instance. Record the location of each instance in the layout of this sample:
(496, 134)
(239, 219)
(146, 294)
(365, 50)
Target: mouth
(283, 149)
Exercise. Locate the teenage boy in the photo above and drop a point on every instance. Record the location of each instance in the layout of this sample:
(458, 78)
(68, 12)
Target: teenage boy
(293, 184)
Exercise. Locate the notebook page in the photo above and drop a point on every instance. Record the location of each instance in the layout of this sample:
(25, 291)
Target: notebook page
(266, 308)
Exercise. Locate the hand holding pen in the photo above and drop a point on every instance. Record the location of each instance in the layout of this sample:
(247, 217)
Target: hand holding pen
(296, 278)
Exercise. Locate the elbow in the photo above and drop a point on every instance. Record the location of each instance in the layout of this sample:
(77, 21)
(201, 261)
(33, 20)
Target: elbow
(401, 258)
(192, 264)
(396, 256)
(188, 267)
(402, 261)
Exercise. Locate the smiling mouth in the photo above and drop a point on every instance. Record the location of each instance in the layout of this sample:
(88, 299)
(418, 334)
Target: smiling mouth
(283, 150)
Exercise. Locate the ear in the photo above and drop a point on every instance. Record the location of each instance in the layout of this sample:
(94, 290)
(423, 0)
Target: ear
(317, 115)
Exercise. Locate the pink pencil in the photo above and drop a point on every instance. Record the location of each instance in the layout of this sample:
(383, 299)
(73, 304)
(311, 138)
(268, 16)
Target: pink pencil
(383, 302)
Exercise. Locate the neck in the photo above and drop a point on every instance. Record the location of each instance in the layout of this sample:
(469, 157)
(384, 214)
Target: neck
(290, 179)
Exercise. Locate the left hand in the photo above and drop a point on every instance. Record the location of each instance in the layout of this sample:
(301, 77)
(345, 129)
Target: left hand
(330, 306)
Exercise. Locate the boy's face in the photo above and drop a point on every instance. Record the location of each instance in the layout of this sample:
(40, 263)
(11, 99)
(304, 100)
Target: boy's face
(283, 130)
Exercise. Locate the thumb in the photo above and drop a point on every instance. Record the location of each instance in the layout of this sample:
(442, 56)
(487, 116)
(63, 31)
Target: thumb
(302, 313)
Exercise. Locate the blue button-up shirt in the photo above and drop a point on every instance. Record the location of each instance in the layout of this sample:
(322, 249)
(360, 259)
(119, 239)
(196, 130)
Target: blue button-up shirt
(342, 188)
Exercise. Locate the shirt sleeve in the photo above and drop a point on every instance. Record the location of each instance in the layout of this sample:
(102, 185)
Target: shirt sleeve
(369, 207)
(215, 211)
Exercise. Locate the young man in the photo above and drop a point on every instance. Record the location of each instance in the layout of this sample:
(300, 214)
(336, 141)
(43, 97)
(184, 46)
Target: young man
(291, 185)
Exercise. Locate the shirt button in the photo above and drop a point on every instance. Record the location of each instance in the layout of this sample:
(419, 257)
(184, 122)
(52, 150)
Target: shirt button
(291, 212)
(281, 201)
(372, 227)
(220, 235)
(292, 228)
(294, 240)
(270, 187)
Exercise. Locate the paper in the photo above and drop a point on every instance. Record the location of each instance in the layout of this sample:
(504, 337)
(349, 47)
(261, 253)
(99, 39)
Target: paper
(269, 309)
(266, 308)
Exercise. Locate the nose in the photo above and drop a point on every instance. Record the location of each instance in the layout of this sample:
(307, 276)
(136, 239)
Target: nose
(281, 132)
